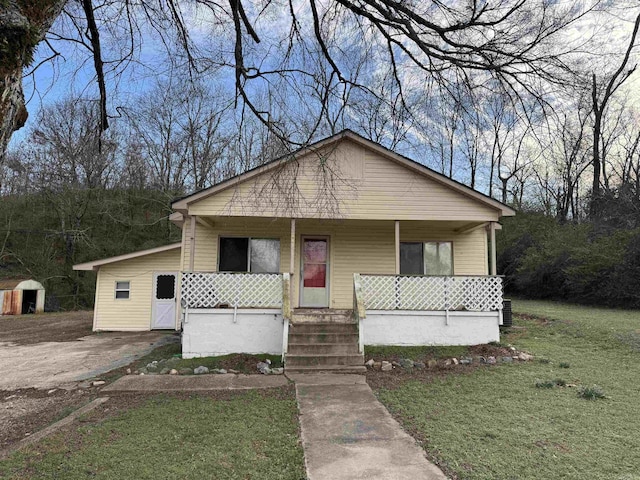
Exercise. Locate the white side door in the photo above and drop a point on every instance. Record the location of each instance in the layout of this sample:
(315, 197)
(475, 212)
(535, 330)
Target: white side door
(163, 314)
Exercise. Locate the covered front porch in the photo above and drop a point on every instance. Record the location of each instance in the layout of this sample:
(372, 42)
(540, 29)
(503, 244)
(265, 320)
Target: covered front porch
(233, 312)
(321, 256)
(389, 273)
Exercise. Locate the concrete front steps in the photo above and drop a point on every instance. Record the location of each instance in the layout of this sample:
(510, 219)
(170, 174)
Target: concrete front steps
(323, 341)
(322, 315)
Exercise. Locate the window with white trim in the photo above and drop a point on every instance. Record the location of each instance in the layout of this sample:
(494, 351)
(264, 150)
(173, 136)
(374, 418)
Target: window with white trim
(426, 258)
(245, 254)
(123, 289)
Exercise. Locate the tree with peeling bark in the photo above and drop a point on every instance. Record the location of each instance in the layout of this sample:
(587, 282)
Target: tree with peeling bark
(419, 42)
(23, 25)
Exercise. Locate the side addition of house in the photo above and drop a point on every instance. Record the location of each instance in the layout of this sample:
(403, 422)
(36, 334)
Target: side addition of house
(342, 233)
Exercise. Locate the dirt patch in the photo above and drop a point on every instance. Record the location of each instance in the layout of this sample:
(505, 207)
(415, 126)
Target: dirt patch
(242, 362)
(540, 320)
(23, 412)
(119, 402)
(48, 327)
(395, 378)
(488, 350)
(49, 365)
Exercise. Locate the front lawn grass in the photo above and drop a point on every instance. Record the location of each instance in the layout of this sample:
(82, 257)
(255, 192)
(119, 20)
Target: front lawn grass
(493, 423)
(248, 435)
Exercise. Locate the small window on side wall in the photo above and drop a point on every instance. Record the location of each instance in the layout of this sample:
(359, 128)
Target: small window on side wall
(122, 290)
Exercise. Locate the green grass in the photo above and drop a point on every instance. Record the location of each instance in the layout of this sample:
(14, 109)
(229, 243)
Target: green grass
(495, 424)
(253, 435)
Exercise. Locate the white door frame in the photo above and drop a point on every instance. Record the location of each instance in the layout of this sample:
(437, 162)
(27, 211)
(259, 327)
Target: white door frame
(326, 238)
(155, 302)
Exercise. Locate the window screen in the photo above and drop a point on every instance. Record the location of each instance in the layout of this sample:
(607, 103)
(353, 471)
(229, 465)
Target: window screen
(234, 254)
(165, 287)
(122, 290)
(265, 255)
(411, 260)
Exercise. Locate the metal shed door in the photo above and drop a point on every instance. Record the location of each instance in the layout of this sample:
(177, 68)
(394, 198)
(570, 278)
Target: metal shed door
(164, 301)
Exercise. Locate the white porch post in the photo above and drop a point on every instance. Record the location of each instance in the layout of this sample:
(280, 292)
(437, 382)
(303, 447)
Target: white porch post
(292, 261)
(492, 233)
(397, 247)
(192, 243)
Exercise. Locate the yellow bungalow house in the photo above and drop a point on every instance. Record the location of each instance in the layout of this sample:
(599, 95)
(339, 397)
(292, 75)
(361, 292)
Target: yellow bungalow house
(313, 255)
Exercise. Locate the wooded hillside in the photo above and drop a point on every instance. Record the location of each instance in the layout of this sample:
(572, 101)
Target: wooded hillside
(44, 234)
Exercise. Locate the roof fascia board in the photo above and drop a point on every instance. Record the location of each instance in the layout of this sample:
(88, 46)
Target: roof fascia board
(412, 165)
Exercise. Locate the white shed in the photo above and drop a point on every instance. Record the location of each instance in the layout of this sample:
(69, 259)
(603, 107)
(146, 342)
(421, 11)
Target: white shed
(20, 296)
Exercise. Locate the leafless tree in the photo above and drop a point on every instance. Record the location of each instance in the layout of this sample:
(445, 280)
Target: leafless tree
(601, 94)
(628, 169)
(69, 141)
(568, 156)
(511, 41)
(441, 129)
(178, 129)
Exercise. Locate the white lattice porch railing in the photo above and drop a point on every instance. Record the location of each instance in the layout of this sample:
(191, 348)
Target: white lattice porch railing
(240, 290)
(398, 292)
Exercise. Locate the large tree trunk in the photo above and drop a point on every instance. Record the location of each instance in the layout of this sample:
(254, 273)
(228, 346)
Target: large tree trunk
(23, 24)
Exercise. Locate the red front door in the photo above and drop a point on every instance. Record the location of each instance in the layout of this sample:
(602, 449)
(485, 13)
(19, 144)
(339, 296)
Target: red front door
(314, 288)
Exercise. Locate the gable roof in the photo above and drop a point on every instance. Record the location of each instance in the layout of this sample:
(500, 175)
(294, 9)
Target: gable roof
(183, 202)
(88, 266)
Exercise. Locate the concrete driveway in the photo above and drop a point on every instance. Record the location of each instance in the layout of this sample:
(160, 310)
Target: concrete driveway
(58, 350)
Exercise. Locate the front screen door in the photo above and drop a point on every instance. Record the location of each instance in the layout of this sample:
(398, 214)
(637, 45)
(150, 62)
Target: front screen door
(314, 288)
(164, 301)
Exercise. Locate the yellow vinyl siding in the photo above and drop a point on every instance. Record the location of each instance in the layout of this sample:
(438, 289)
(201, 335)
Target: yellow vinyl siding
(206, 258)
(135, 312)
(469, 249)
(354, 247)
(352, 183)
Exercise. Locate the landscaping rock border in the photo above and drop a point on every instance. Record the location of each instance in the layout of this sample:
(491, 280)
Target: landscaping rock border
(407, 364)
(166, 367)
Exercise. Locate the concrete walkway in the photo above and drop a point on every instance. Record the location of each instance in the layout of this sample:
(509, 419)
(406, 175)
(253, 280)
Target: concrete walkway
(348, 434)
(194, 383)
